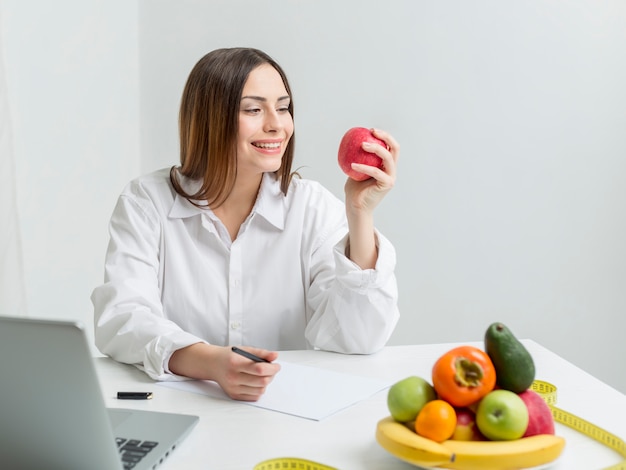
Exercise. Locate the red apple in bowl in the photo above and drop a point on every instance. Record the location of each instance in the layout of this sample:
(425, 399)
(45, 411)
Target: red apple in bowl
(540, 419)
(351, 151)
(466, 428)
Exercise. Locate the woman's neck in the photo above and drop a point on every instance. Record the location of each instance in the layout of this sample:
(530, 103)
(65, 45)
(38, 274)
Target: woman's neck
(238, 205)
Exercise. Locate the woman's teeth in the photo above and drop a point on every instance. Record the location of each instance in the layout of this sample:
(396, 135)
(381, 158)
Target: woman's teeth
(267, 145)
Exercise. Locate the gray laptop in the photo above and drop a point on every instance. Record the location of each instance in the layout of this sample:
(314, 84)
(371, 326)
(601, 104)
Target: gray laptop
(52, 412)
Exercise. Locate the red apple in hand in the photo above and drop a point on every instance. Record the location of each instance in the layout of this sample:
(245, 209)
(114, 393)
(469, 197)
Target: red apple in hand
(350, 151)
(540, 419)
(466, 428)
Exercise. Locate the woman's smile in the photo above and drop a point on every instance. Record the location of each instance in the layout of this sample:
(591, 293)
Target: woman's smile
(268, 145)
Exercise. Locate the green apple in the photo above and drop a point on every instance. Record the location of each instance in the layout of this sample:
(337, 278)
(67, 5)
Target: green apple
(407, 397)
(502, 416)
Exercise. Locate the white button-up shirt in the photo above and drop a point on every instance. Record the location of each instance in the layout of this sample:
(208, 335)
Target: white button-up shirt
(173, 277)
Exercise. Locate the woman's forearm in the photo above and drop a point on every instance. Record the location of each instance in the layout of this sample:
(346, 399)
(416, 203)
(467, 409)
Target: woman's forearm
(362, 241)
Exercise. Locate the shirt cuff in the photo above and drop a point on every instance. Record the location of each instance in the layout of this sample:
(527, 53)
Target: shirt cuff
(158, 352)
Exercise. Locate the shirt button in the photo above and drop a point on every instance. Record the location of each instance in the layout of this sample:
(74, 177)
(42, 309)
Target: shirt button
(235, 325)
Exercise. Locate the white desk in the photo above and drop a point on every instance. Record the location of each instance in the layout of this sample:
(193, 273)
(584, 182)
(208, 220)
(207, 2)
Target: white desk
(234, 435)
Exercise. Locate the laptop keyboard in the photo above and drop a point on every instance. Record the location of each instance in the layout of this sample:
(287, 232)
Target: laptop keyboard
(133, 450)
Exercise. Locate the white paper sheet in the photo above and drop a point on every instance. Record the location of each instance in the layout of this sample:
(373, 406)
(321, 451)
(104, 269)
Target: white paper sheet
(305, 391)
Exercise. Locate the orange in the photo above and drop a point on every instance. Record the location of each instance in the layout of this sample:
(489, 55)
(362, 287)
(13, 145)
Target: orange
(436, 421)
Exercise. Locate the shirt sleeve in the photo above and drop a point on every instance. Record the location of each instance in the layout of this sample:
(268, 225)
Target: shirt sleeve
(354, 310)
(129, 322)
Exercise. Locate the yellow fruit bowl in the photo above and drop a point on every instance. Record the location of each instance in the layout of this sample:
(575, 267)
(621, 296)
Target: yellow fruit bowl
(528, 452)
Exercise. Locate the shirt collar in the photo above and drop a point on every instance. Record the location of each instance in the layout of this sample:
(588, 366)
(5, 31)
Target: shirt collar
(269, 203)
(181, 207)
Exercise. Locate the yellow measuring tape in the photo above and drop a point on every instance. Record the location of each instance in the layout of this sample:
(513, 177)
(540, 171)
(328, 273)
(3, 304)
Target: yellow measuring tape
(291, 463)
(547, 392)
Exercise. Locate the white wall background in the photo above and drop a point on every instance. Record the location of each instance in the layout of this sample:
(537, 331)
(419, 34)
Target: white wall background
(72, 77)
(510, 204)
(12, 291)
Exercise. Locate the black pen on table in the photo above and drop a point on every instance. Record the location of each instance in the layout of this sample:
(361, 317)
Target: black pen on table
(134, 395)
(247, 354)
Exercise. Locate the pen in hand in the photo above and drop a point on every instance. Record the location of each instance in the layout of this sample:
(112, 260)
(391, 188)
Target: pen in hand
(247, 354)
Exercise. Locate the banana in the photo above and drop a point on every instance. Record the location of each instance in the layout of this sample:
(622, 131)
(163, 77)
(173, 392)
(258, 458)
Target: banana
(504, 455)
(406, 445)
(527, 452)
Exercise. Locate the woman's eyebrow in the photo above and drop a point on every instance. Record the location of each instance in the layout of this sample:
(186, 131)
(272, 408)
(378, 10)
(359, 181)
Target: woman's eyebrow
(261, 98)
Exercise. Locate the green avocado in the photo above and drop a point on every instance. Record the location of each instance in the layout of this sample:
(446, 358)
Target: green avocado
(515, 368)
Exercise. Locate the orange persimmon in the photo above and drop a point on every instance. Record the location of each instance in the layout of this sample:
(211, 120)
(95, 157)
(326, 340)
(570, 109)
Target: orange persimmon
(463, 375)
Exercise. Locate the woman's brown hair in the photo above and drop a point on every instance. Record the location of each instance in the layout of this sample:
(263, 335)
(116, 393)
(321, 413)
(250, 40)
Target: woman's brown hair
(208, 123)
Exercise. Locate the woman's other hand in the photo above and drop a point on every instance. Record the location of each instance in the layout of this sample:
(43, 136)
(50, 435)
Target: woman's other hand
(240, 377)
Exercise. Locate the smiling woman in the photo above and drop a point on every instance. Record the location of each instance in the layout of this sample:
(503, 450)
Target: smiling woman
(229, 249)
(209, 120)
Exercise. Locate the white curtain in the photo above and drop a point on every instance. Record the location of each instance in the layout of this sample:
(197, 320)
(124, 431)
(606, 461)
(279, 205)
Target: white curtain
(12, 291)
